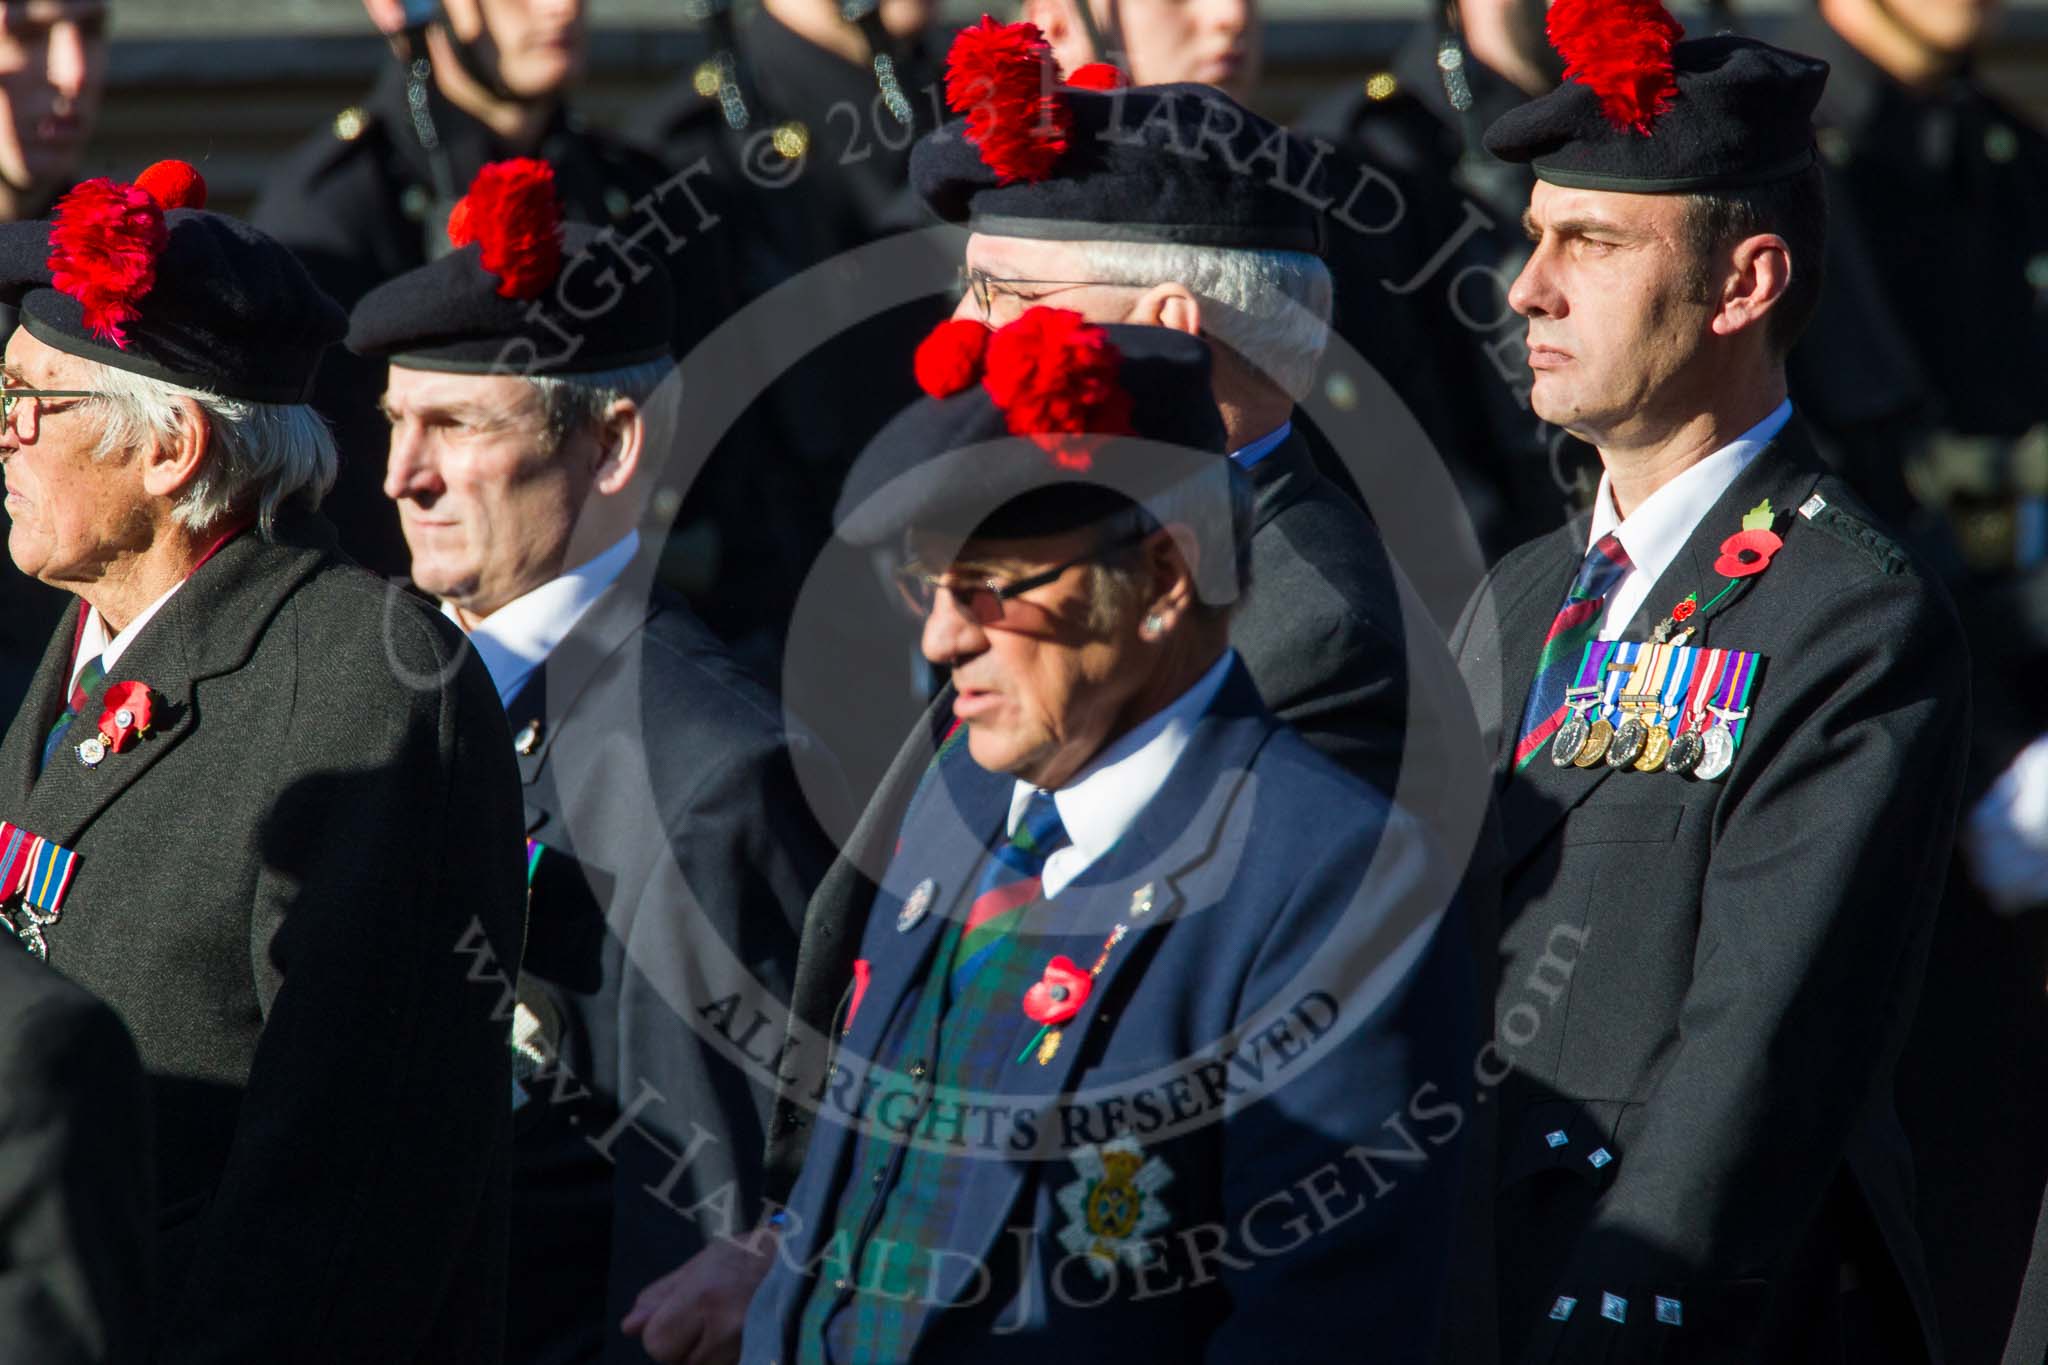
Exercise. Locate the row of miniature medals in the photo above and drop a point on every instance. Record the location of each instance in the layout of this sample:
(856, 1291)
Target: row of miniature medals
(1656, 707)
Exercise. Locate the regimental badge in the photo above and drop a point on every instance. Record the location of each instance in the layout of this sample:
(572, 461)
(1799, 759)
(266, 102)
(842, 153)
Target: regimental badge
(1114, 1209)
(916, 906)
(527, 740)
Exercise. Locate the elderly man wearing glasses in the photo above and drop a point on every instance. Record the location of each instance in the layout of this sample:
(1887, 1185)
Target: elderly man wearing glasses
(1150, 980)
(258, 803)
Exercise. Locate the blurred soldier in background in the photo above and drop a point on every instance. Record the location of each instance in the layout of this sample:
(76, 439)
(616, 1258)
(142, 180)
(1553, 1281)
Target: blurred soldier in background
(1158, 42)
(475, 81)
(53, 64)
(1923, 376)
(1419, 121)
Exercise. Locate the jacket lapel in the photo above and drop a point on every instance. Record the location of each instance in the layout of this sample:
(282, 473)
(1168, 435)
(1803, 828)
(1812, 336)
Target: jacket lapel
(21, 754)
(1155, 873)
(1536, 799)
(208, 628)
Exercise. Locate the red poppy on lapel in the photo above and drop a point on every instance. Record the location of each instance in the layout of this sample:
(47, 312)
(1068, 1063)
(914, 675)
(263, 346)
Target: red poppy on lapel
(1746, 553)
(1059, 994)
(126, 715)
(860, 989)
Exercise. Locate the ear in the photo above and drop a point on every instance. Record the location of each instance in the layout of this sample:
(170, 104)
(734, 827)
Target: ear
(622, 437)
(1760, 271)
(1172, 305)
(168, 467)
(1171, 558)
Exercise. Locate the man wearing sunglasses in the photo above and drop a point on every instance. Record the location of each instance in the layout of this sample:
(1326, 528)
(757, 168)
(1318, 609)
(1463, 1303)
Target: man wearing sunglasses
(1118, 861)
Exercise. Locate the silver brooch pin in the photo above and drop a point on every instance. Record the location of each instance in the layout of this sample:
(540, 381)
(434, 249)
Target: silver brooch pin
(915, 908)
(528, 738)
(1141, 901)
(92, 751)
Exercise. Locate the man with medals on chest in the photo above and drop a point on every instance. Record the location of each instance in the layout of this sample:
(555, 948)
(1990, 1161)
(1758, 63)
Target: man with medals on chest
(1732, 720)
(1149, 981)
(255, 801)
(670, 846)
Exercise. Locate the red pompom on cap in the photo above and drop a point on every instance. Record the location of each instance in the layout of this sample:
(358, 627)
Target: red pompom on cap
(1099, 76)
(514, 215)
(1621, 50)
(950, 358)
(174, 185)
(105, 238)
(1004, 78)
(1057, 379)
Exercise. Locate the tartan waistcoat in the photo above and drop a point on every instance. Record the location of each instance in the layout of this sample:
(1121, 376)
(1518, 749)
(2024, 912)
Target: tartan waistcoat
(898, 1201)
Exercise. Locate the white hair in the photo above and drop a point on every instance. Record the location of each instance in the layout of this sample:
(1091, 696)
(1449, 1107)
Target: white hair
(268, 454)
(573, 402)
(1272, 308)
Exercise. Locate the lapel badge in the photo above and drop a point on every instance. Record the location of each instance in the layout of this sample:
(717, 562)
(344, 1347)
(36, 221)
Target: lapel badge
(528, 739)
(1141, 901)
(917, 906)
(92, 751)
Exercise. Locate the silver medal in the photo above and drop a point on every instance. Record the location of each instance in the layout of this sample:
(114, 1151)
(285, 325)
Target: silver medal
(1686, 752)
(1717, 755)
(1570, 736)
(1627, 745)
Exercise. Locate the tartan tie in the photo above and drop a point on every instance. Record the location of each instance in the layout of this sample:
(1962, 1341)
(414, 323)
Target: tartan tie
(89, 677)
(1605, 565)
(1009, 882)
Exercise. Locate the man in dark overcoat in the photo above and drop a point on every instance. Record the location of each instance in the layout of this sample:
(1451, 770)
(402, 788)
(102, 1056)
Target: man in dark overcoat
(1732, 719)
(273, 808)
(671, 840)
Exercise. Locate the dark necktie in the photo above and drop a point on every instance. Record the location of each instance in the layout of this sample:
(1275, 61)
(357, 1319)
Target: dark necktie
(1009, 882)
(89, 678)
(1600, 573)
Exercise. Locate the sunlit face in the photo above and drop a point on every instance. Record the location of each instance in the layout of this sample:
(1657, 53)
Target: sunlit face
(537, 47)
(1041, 689)
(1950, 27)
(69, 515)
(486, 504)
(1611, 303)
(1211, 42)
(1027, 272)
(53, 63)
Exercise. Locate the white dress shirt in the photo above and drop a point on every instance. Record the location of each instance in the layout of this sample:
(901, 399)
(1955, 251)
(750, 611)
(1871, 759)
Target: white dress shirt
(1264, 446)
(517, 638)
(1658, 528)
(94, 644)
(1107, 795)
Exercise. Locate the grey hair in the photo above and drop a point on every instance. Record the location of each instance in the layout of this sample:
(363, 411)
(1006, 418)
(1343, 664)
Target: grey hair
(271, 454)
(576, 402)
(1120, 582)
(1272, 308)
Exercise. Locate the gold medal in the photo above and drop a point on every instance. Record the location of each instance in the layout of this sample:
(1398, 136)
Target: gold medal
(1598, 736)
(1656, 748)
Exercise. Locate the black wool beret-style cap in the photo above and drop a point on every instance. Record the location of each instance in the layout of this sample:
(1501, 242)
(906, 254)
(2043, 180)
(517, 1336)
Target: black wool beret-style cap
(139, 278)
(1739, 113)
(956, 465)
(1153, 163)
(610, 305)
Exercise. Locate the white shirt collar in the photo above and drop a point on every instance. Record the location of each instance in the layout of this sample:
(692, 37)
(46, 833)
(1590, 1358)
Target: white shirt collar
(517, 638)
(1106, 796)
(94, 644)
(1660, 525)
(1264, 446)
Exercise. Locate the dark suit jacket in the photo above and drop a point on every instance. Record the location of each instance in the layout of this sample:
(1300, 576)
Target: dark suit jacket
(299, 894)
(75, 1201)
(1272, 876)
(1712, 980)
(1338, 647)
(681, 849)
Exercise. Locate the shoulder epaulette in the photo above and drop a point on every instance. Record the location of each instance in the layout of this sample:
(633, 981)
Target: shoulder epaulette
(1852, 530)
